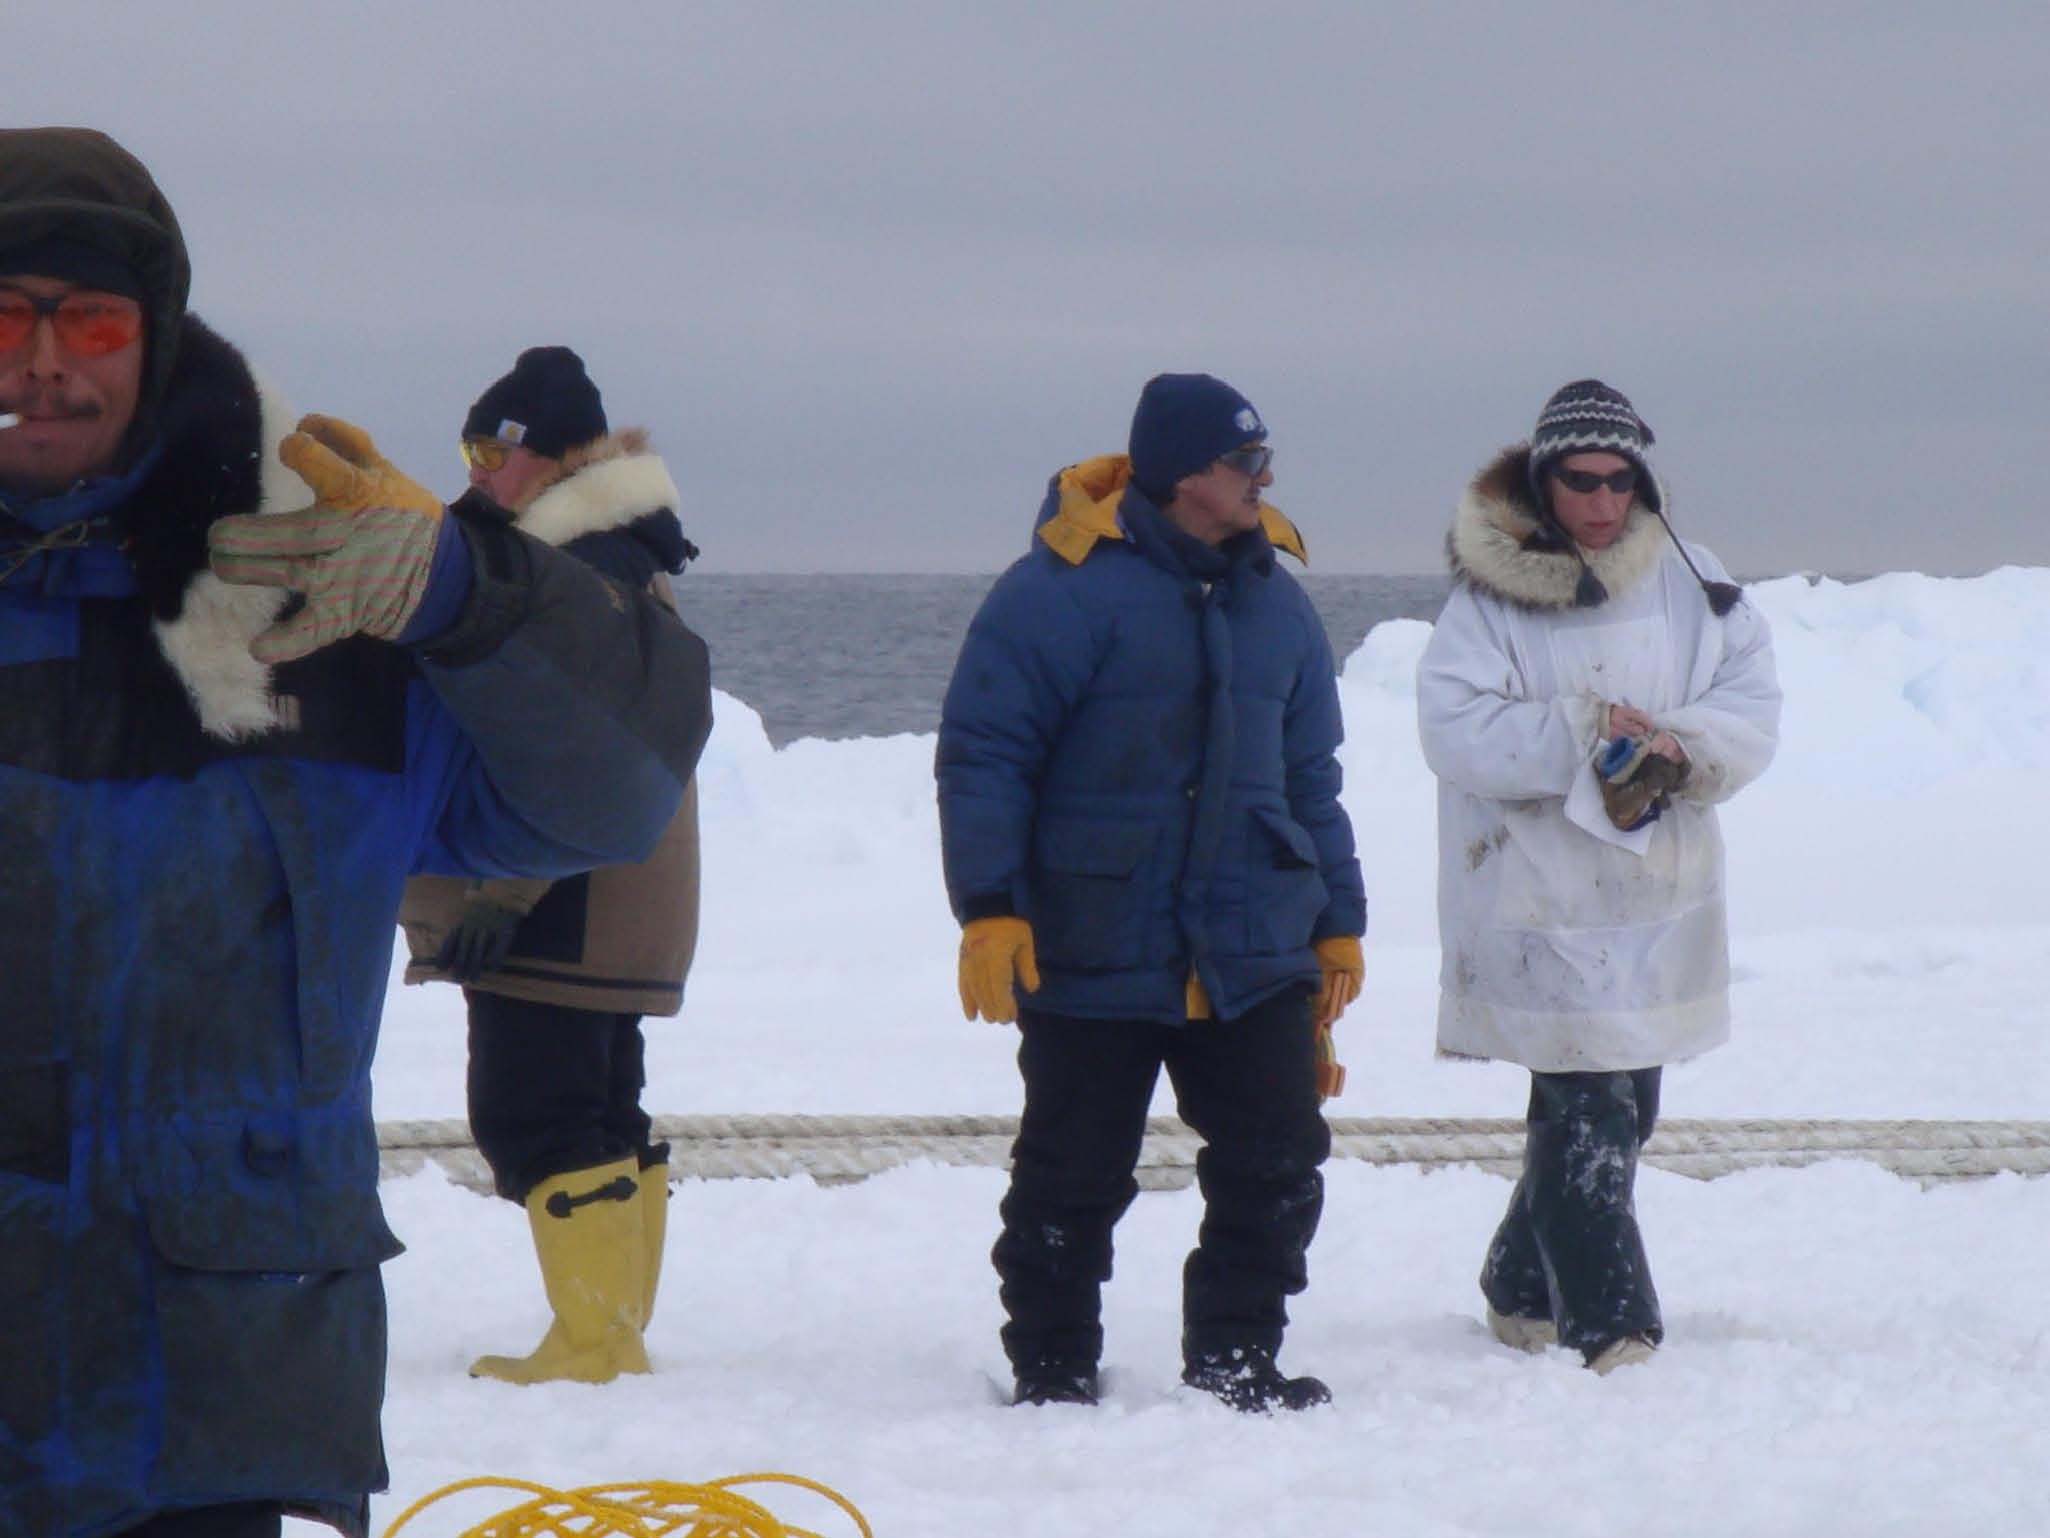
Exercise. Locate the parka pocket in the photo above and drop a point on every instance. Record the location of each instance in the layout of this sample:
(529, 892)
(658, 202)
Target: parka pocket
(271, 1316)
(1087, 912)
(1285, 889)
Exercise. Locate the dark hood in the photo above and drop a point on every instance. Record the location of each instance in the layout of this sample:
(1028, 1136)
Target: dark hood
(78, 184)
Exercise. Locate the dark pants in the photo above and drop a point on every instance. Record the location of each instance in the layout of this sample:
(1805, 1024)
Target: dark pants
(1248, 1087)
(1569, 1249)
(249, 1519)
(554, 1089)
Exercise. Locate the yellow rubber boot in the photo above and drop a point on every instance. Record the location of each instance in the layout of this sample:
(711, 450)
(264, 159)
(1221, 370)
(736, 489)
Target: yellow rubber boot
(588, 1237)
(654, 1231)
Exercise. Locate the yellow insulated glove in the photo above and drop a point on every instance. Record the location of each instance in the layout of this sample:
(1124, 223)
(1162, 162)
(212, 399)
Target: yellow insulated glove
(993, 951)
(1344, 968)
(1330, 1071)
(360, 556)
(341, 462)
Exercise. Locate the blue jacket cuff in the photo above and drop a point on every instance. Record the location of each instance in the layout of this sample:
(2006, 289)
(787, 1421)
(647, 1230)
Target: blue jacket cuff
(449, 582)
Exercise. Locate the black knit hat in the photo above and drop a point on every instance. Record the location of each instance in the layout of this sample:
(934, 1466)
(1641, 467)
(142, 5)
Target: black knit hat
(1587, 417)
(1183, 423)
(547, 404)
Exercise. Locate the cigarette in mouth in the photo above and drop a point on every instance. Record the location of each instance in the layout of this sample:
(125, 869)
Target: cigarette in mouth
(9, 419)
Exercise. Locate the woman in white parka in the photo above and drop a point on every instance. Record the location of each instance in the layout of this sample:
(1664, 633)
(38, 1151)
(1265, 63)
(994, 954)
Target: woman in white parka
(1589, 952)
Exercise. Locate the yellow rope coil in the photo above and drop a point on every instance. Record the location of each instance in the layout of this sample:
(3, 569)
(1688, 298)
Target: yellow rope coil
(656, 1508)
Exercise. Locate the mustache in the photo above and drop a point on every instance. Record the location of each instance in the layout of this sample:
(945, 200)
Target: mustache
(49, 407)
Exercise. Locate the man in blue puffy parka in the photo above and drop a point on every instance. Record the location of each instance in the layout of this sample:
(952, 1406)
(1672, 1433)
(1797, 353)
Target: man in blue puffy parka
(1138, 791)
(231, 725)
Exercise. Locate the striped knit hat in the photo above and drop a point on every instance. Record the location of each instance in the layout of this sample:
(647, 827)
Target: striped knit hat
(1587, 416)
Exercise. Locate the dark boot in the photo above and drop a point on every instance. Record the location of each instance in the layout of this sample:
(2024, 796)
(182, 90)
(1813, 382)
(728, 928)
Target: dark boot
(1246, 1378)
(1053, 1384)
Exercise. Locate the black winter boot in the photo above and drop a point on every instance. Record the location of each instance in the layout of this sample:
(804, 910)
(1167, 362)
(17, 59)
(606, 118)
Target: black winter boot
(1246, 1378)
(1056, 1385)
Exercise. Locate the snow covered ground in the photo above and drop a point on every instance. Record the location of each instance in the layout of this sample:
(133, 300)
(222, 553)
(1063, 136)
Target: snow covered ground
(1847, 1353)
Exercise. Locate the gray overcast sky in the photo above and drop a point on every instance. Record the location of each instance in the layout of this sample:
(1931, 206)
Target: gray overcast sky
(872, 271)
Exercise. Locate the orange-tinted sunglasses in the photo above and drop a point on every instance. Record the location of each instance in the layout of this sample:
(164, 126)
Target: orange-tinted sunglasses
(87, 324)
(485, 454)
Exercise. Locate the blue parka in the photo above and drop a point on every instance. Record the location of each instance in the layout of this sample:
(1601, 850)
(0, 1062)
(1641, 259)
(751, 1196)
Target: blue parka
(1142, 764)
(195, 935)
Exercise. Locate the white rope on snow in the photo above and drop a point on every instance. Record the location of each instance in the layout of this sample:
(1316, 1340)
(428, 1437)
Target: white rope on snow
(833, 1149)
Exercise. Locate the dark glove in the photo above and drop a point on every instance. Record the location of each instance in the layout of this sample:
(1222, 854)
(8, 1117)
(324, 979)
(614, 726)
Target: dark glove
(1636, 782)
(480, 942)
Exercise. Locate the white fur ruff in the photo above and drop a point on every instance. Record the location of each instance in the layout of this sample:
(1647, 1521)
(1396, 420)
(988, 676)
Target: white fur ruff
(208, 644)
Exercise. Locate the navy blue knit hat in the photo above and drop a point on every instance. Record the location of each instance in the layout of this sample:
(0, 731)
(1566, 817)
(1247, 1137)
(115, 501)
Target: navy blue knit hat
(547, 404)
(1183, 422)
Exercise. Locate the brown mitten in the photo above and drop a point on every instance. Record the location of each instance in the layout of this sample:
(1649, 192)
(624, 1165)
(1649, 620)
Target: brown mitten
(1636, 782)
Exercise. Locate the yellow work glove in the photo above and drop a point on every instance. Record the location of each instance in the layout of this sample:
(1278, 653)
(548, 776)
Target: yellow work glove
(993, 950)
(1343, 969)
(360, 556)
(1330, 1071)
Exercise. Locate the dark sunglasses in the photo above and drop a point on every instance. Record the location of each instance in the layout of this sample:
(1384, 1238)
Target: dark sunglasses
(1584, 481)
(1251, 462)
(88, 325)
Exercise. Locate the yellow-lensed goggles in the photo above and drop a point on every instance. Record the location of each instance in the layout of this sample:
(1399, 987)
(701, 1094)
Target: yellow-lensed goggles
(486, 454)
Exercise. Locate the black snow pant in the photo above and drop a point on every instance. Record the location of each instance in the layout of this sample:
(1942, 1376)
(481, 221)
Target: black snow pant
(1248, 1088)
(1569, 1249)
(247, 1519)
(554, 1089)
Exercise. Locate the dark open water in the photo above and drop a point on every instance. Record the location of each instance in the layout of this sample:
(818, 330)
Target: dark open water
(866, 656)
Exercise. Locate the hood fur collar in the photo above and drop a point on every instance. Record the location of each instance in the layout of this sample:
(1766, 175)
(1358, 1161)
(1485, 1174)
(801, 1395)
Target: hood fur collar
(221, 429)
(606, 484)
(1499, 544)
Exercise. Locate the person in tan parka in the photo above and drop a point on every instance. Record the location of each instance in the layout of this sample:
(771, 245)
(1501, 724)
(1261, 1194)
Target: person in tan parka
(558, 975)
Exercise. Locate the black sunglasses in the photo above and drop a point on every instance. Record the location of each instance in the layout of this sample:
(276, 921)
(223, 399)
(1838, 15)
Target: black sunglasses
(1584, 481)
(1251, 461)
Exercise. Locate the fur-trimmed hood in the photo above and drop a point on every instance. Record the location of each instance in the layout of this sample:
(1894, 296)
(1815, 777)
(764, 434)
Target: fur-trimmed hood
(1500, 545)
(604, 485)
(221, 427)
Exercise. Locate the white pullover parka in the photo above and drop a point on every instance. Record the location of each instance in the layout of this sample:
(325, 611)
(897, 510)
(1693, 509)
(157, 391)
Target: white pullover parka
(1568, 945)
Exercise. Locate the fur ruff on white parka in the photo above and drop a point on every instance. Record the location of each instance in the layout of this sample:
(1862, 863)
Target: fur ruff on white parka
(1569, 946)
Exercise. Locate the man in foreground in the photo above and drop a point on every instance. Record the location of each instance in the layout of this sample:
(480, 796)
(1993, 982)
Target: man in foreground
(228, 732)
(1138, 791)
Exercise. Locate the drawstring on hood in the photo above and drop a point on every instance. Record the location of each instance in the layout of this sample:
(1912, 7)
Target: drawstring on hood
(1722, 596)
